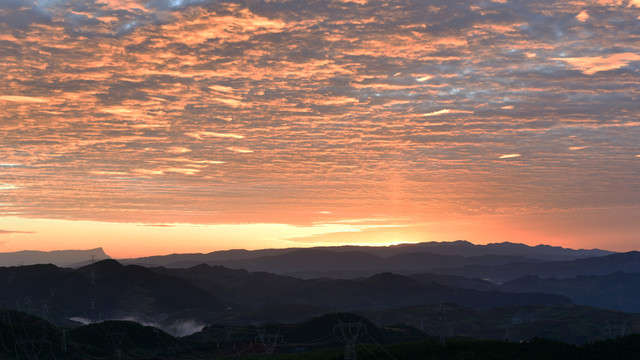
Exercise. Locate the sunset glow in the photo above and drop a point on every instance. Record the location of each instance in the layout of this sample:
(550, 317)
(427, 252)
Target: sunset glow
(155, 126)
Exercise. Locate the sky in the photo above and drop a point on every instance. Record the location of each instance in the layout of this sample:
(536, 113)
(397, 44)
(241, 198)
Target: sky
(171, 126)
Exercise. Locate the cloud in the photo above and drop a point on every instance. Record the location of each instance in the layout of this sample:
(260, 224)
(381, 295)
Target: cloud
(268, 110)
(9, 232)
(239, 150)
(178, 150)
(22, 99)
(447, 111)
(590, 65)
(203, 134)
(582, 16)
(438, 112)
(424, 78)
(8, 186)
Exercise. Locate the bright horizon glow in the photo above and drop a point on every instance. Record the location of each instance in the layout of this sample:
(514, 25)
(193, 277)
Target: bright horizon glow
(162, 239)
(128, 240)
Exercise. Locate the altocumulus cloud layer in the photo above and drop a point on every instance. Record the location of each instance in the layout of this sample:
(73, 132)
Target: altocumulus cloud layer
(291, 111)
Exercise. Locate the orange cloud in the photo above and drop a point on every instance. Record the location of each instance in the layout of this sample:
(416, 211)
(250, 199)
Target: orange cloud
(582, 16)
(23, 99)
(590, 65)
(239, 150)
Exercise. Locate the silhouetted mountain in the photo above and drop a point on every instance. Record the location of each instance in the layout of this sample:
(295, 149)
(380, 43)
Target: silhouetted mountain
(315, 263)
(105, 289)
(123, 340)
(259, 289)
(505, 252)
(325, 328)
(19, 330)
(627, 262)
(188, 260)
(619, 291)
(173, 297)
(24, 336)
(62, 258)
(467, 249)
(308, 260)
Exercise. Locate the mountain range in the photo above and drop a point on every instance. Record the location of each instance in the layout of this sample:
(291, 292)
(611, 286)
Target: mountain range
(458, 248)
(362, 261)
(110, 290)
(182, 293)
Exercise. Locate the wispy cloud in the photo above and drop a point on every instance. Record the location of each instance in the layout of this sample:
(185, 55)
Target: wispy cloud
(509, 156)
(438, 112)
(8, 232)
(8, 187)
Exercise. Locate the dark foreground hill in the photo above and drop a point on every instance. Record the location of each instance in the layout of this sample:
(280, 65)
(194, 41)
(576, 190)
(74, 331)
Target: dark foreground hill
(23, 336)
(568, 323)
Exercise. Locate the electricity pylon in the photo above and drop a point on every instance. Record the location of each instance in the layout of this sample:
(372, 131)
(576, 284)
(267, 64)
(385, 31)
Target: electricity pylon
(348, 334)
(269, 341)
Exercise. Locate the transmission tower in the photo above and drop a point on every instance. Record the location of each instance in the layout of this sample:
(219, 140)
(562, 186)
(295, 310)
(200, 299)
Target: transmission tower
(268, 341)
(348, 334)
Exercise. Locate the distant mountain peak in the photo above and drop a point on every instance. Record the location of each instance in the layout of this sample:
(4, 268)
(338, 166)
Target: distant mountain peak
(62, 258)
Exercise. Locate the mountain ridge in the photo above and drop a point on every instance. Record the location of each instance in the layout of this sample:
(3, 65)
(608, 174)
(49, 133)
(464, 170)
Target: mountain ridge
(355, 261)
(62, 258)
